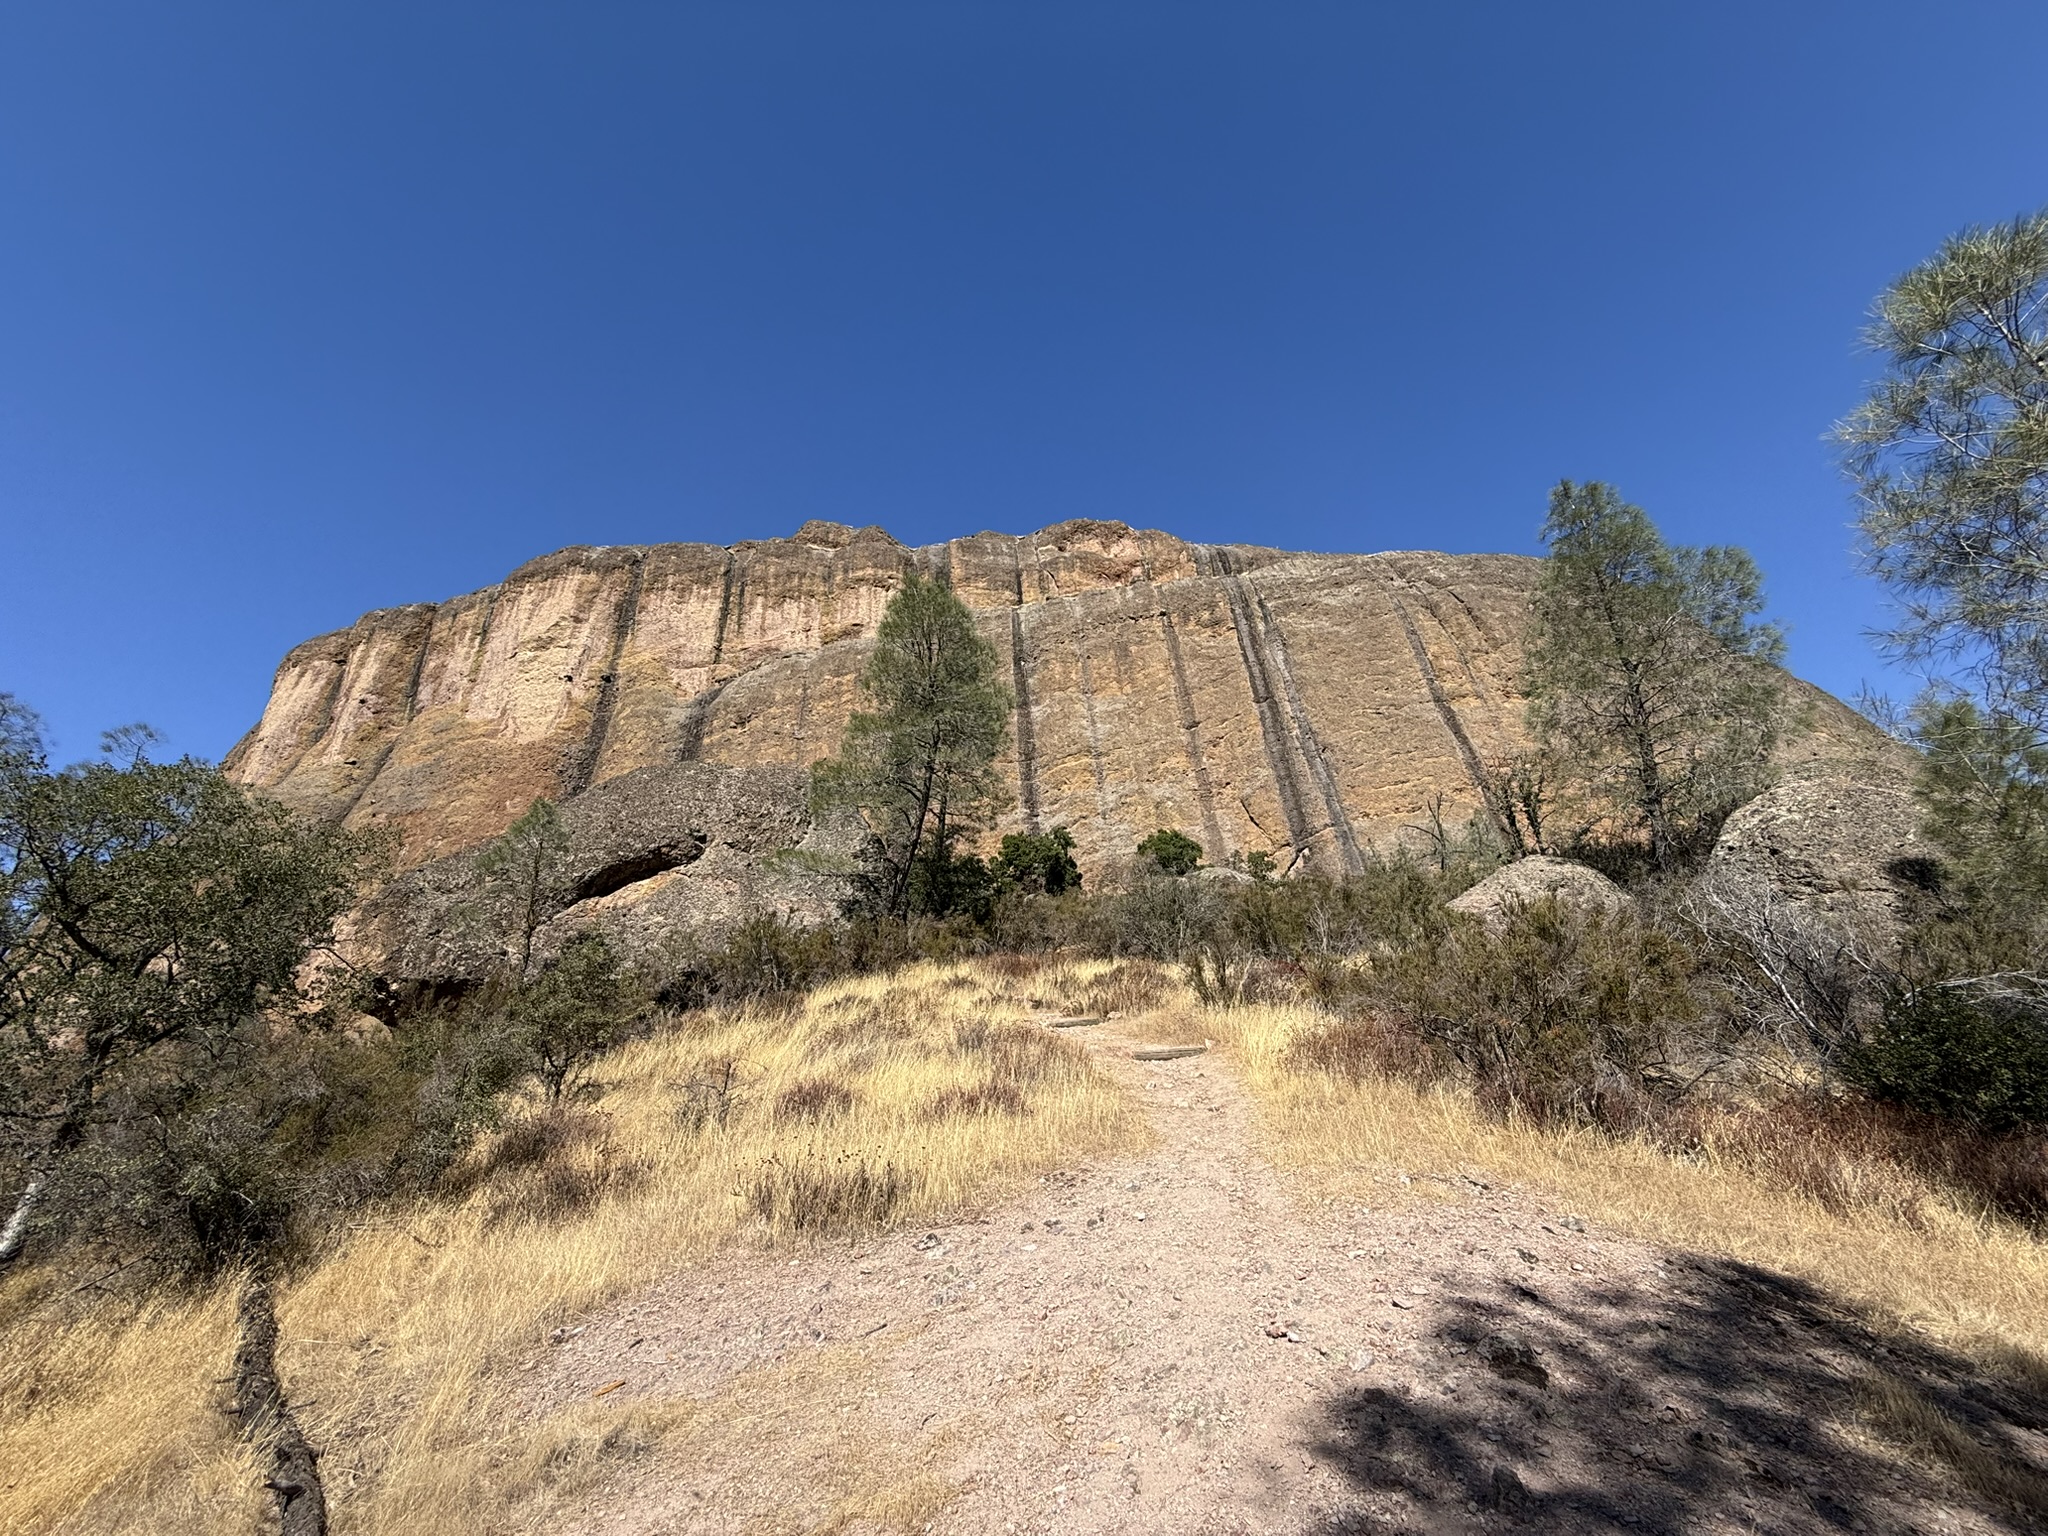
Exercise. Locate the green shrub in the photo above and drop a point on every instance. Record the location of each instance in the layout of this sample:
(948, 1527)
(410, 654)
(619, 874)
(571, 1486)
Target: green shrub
(1041, 862)
(1962, 1053)
(1172, 850)
(580, 1005)
(1565, 1015)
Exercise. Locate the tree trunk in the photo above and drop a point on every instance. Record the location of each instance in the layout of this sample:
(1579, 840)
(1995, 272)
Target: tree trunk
(899, 902)
(14, 1236)
(1654, 811)
(259, 1399)
(15, 1233)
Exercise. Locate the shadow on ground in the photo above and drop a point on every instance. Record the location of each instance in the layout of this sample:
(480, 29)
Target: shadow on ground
(1728, 1398)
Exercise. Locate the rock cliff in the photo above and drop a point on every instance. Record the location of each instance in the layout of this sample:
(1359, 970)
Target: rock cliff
(1305, 705)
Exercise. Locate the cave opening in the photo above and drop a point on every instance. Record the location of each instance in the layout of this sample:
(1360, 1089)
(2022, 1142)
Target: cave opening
(620, 873)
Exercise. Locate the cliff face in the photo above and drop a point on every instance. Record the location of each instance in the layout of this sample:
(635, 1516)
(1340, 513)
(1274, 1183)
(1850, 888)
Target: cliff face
(1305, 705)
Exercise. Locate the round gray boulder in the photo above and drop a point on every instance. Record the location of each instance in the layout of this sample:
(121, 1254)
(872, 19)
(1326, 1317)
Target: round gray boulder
(1535, 878)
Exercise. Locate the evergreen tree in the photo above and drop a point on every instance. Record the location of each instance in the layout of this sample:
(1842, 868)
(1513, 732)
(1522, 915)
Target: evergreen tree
(919, 762)
(1950, 459)
(524, 878)
(1949, 455)
(1652, 689)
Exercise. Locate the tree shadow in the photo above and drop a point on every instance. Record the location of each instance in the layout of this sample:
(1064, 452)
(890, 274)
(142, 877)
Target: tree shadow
(1728, 1398)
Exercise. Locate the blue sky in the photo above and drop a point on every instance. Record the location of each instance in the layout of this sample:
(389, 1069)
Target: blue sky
(312, 309)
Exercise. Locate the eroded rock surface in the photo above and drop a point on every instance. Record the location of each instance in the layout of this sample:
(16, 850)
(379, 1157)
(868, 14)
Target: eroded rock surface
(1305, 706)
(652, 855)
(1842, 844)
(1538, 878)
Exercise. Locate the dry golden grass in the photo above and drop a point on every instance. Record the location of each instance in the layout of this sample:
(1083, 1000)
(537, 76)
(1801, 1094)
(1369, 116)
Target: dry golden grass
(1968, 1280)
(877, 1100)
(1902, 1413)
(112, 1423)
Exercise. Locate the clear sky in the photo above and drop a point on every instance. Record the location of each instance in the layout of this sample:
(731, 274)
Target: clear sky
(314, 308)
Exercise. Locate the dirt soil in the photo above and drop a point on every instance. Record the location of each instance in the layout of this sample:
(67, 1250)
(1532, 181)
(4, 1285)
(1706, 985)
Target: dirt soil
(1180, 1344)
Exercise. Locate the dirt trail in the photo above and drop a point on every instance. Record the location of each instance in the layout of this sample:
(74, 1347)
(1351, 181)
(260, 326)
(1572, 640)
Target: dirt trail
(1178, 1344)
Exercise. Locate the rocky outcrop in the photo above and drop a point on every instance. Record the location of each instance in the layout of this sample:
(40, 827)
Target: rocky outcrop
(1305, 706)
(1540, 878)
(1843, 845)
(652, 856)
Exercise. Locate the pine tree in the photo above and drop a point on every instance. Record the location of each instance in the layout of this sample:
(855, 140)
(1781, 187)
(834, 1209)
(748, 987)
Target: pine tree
(1949, 455)
(1652, 687)
(919, 762)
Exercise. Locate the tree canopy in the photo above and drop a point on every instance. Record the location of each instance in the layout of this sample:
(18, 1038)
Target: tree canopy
(1949, 456)
(145, 908)
(1652, 685)
(919, 762)
(1172, 850)
(1039, 862)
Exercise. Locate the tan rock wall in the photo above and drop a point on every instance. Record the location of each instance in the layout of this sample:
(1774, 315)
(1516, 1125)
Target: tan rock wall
(1305, 705)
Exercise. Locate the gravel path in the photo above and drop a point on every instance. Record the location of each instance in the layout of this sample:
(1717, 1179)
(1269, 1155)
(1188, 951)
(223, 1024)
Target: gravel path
(1177, 1344)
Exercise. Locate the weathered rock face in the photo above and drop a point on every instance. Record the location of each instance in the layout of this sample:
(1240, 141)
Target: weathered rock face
(1540, 878)
(1302, 705)
(1840, 844)
(651, 856)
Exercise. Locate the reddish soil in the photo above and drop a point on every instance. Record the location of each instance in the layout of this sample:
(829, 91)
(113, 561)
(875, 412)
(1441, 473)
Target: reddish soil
(1178, 1344)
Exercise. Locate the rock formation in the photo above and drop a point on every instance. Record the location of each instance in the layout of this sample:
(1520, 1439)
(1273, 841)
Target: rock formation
(653, 856)
(1540, 878)
(1842, 845)
(1303, 705)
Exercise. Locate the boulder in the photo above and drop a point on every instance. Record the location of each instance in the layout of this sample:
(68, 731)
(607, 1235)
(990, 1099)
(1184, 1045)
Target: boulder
(658, 854)
(1843, 846)
(1535, 878)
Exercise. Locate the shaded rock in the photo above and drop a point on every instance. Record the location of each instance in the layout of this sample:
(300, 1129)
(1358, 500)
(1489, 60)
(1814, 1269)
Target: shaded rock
(1506, 1491)
(1512, 1358)
(656, 854)
(1534, 879)
(1839, 845)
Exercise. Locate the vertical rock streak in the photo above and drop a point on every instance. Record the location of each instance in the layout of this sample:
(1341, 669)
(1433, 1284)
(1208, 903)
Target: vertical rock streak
(1272, 727)
(1191, 733)
(391, 735)
(1445, 712)
(696, 719)
(1312, 754)
(1431, 593)
(732, 597)
(483, 635)
(1027, 741)
(1094, 730)
(578, 774)
(330, 711)
(724, 610)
